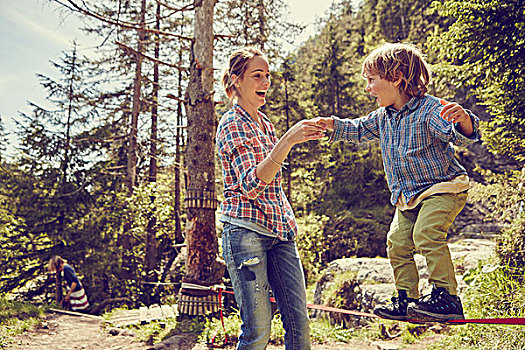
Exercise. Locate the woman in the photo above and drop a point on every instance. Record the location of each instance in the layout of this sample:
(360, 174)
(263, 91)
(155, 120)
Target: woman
(76, 296)
(259, 224)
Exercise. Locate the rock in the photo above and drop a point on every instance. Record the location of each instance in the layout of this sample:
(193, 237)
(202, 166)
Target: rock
(375, 279)
(184, 341)
(382, 345)
(119, 331)
(114, 331)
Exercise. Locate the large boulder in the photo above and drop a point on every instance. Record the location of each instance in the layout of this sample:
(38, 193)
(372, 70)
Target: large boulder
(369, 281)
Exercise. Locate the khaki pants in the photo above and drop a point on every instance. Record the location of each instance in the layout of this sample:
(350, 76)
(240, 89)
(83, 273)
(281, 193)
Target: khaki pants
(423, 230)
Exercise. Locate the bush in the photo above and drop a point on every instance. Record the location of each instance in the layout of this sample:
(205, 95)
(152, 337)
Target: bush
(511, 245)
(351, 234)
(494, 291)
(310, 245)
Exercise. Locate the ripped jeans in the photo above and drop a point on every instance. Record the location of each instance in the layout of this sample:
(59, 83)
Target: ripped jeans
(257, 263)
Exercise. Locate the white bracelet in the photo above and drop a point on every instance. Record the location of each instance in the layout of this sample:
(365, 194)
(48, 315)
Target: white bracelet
(279, 164)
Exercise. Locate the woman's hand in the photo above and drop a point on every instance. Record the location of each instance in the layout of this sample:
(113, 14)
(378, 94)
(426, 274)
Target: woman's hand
(303, 131)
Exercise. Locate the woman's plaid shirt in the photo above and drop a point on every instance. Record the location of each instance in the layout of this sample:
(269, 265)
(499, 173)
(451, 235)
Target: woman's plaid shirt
(242, 146)
(416, 144)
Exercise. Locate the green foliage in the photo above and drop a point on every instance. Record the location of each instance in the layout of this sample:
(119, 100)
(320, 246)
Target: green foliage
(3, 140)
(61, 197)
(13, 309)
(332, 76)
(492, 293)
(504, 195)
(342, 293)
(349, 235)
(355, 179)
(321, 331)
(310, 244)
(511, 245)
(483, 49)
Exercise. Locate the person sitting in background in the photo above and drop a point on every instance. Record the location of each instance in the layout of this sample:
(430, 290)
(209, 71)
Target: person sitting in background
(75, 299)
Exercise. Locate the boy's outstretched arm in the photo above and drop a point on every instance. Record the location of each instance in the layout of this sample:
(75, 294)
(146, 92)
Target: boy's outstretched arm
(454, 113)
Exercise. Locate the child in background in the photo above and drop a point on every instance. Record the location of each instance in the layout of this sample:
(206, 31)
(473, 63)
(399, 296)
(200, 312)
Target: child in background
(75, 298)
(429, 186)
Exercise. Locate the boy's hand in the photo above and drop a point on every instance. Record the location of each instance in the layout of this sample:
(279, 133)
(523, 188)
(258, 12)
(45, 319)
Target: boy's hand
(327, 123)
(454, 113)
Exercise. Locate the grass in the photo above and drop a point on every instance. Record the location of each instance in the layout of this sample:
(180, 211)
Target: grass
(493, 292)
(321, 331)
(16, 318)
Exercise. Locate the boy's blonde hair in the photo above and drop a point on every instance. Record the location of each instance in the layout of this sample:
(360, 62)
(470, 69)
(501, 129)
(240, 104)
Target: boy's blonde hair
(237, 65)
(392, 61)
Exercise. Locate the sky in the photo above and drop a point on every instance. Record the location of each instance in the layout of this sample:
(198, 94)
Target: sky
(35, 32)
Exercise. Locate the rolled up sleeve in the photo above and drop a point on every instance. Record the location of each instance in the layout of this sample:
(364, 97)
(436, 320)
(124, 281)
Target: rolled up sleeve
(243, 162)
(448, 132)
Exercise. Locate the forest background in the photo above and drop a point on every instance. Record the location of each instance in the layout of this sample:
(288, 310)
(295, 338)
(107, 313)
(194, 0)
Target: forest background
(101, 179)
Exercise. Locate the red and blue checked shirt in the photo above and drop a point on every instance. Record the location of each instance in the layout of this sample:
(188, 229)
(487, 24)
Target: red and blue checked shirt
(242, 146)
(416, 144)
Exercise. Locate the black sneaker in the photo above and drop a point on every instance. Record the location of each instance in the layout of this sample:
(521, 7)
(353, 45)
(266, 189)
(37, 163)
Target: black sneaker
(438, 306)
(397, 310)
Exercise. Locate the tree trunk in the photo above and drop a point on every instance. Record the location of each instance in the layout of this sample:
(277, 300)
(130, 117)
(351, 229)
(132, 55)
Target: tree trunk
(262, 22)
(203, 264)
(135, 109)
(150, 262)
(58, 287)
(128, 265)
(289, 170)
(179, 237)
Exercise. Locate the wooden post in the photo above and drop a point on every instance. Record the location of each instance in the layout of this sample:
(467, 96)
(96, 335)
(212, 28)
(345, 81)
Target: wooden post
(58, 287)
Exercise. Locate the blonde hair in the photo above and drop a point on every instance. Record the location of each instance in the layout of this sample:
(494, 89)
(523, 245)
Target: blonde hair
(237, 65)
(55, 263)
(389, 60)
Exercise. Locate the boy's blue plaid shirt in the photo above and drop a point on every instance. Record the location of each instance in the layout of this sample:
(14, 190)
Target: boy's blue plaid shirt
(242, 146)
(416, 144)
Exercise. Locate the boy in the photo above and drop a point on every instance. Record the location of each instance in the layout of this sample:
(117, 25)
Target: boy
(428, 185)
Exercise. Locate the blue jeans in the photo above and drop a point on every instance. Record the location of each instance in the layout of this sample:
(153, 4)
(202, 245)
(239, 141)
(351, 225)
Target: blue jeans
(257, 263)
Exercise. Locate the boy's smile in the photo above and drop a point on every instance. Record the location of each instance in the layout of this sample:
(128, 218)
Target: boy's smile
(386, 92)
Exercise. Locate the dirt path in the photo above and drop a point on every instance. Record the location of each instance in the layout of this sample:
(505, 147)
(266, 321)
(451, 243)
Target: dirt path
(74, 333)
(82, 333)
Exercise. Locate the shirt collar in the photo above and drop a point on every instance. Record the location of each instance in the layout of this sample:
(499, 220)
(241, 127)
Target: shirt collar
(247, 116)
(411, 105)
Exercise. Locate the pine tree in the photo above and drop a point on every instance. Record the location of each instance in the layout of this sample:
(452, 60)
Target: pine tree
(49, 187)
